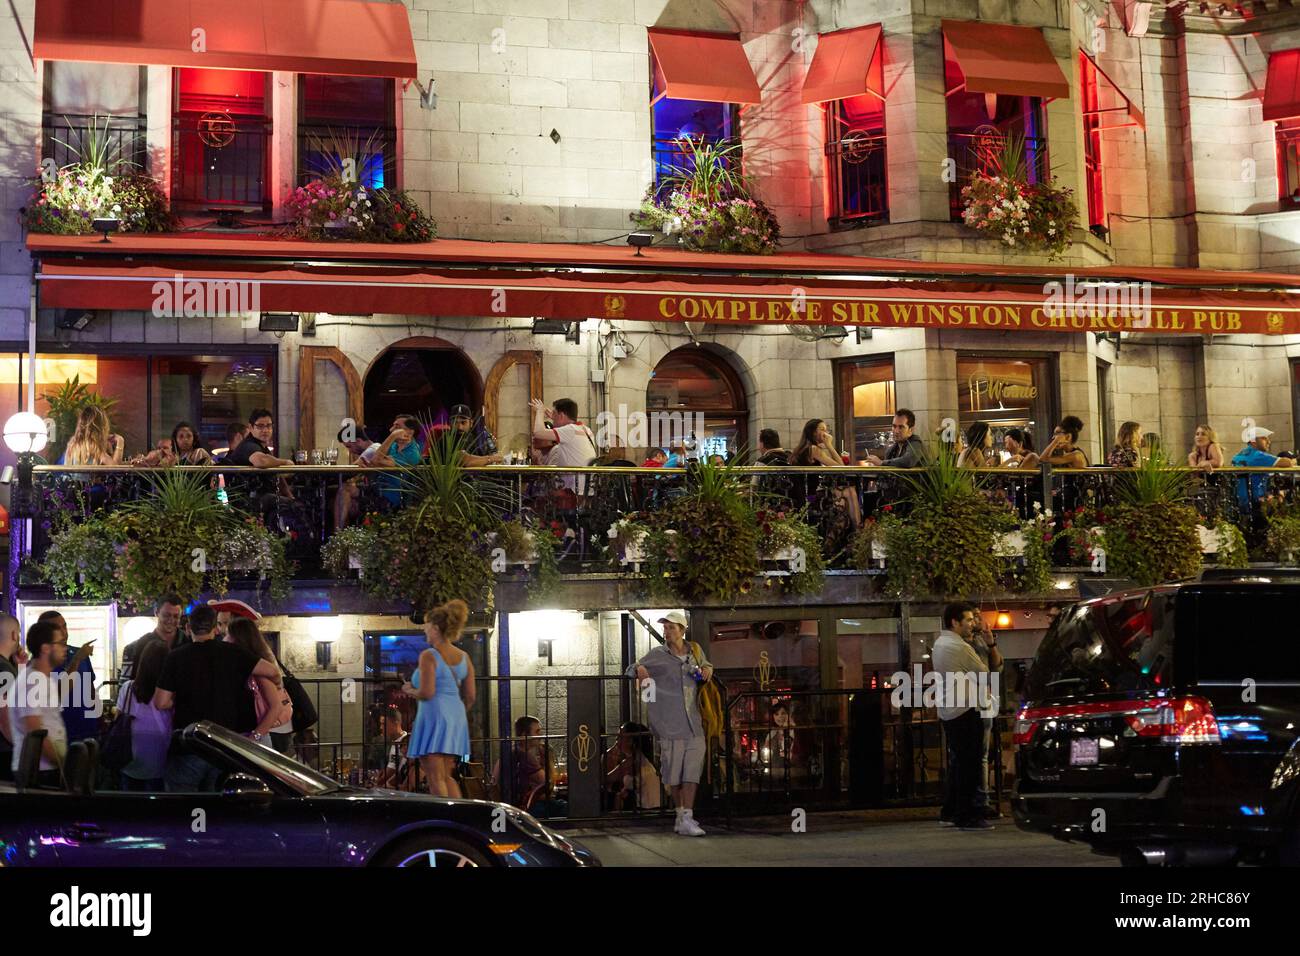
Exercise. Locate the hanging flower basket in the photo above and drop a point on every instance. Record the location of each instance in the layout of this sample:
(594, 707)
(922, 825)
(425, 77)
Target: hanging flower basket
(1001, 203)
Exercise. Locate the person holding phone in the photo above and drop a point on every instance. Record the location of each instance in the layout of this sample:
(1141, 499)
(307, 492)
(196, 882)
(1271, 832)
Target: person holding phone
(80, 721)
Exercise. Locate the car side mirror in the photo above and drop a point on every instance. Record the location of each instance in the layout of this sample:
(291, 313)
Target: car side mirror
(247, 790)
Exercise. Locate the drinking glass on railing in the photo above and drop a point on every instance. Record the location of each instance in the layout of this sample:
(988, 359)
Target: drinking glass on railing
(332, 456)
(300, 456)
(315, 456)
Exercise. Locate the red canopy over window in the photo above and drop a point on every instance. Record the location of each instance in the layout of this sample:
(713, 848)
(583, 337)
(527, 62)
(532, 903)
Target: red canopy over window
(842, 66)
(703, 66)
(1006, 59)
(1282, 88)
(347, 37)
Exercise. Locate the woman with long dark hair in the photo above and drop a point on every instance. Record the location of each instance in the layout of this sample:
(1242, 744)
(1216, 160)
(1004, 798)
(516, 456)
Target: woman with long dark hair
(188, 447)
(444, 686)
(271, 704)
(815, 448)
(1019, 444)
(979, 443)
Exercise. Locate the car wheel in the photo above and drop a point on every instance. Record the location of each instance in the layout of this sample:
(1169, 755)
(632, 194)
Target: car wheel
(433, 849)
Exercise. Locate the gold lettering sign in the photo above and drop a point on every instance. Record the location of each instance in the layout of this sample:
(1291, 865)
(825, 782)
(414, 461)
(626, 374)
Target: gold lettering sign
(583, 747)
(763, 671)
(998, 390)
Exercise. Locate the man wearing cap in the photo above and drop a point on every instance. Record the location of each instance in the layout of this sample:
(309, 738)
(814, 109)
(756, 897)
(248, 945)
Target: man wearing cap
(479, 448)
(1252, 490)
(671, 672)
(227, 610)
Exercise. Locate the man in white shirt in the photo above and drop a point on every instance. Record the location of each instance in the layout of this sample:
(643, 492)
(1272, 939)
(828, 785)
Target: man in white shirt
(37, 703)
(575, 445)
(959, 706)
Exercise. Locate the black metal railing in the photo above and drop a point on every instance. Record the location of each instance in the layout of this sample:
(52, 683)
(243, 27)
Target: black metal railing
(583, 505)
(978, 151)
(856, 167)
(671, 159)
(66, 138)
(221, 160)
(372, 146)
(850, 748)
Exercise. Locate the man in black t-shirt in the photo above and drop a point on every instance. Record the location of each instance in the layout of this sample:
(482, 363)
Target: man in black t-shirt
(207, 680)
(254, 452)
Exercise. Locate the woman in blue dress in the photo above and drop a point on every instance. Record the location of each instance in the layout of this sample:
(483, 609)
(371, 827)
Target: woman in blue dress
(444, 686)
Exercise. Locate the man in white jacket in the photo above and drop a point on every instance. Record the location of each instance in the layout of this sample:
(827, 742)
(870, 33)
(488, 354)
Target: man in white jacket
(960, 703)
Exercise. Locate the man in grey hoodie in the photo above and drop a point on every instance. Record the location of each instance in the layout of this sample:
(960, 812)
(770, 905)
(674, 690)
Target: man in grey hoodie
(907, 451)
(669, 676)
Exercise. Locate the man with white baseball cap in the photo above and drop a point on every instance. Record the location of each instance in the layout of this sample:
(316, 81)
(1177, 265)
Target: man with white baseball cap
(673, 671)
(1251, 491)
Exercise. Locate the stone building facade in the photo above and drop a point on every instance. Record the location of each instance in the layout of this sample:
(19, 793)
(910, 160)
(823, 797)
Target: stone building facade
(542, 133)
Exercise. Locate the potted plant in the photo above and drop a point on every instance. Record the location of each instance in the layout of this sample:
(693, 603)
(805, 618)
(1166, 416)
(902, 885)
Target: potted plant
(1149, 534)
(944, 504)
(792, 545)
(101, 184)
(708, 204)
(1001, 203)
(1282, 514)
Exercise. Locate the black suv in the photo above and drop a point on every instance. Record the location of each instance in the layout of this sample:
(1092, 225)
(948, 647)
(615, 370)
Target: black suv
(1163, 724)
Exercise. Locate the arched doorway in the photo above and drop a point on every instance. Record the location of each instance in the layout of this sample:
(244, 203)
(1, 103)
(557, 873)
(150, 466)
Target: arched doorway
(694, 381)
(421, 376)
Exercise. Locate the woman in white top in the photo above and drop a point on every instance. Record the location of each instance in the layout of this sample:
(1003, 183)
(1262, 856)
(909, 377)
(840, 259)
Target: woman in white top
(151, 728)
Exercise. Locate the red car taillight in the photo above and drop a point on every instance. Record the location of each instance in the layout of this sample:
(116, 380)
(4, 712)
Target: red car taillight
(1183, 720)
(1025, 728)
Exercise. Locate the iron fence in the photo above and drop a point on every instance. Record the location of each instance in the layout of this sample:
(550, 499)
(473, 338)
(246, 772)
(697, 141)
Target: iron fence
(583, 506)
(220, 160)
(978, 151)
(66, 136)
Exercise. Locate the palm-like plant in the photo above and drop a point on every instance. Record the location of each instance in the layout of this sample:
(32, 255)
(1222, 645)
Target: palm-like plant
(941, 480)
(65, 405)
(333, 151)
(1154, 481)
(182, 495)
(440, 484)
(97, 150)
(711, 172)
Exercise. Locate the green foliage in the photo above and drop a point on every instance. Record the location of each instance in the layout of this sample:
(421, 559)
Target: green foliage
(332, 208)
(708, 203)
(946, 551)
(781, 532)
(1153, 481)
(1232, 546)
(176, 539)
(711, 171)
(545, 582)
(65, 406)
(1152, 543)
(1034, 573)
(81, 562)
(359, 541)
(101, 184)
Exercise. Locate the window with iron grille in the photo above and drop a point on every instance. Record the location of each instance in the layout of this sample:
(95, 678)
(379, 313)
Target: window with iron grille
(347, 117)
(979, 124)
(89, 106)
(1288, 163)
(221, 140)
(857, 187)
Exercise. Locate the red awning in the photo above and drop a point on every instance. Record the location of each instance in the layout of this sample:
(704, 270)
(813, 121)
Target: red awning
(345, 37)
(1001, 58)
(841, 66)
(171, 275)
(702, 66)
(1130, 109)
(1282, 87)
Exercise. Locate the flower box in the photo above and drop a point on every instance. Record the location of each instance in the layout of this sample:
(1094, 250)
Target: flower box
(634, 550)
(529, 561)
(1009, 545)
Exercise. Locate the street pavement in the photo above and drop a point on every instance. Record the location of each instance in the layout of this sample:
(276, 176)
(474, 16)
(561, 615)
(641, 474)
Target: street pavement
(841, 839)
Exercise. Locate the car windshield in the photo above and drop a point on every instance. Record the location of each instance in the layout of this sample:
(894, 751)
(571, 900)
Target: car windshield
(293, 774)
(1106, 647)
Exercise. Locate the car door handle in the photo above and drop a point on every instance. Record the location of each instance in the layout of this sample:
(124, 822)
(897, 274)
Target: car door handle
(85, 832)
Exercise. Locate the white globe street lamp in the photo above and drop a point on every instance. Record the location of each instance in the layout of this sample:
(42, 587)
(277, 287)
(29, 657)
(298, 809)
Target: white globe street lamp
(25, 433)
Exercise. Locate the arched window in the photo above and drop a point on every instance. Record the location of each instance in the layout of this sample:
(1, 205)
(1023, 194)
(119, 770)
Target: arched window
(705, 391)
(420, 376)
